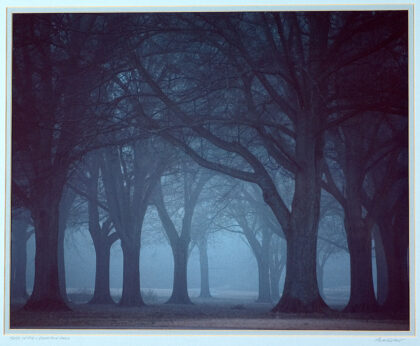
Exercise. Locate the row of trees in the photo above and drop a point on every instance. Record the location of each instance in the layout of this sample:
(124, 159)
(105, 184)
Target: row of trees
(295, 103)
(219, 204)
(179, 193)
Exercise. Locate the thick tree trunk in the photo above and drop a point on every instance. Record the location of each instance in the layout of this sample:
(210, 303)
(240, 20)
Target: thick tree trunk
(102, 293)
(204, 269)
(394, 230)
(362, 295)
(301, 292)
(46, 293)
(19, 257)
(131, 295)
(180, 284)
(359, 237)
(397, 299)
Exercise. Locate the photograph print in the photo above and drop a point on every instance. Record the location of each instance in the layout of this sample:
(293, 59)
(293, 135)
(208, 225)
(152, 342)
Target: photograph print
(242, 170)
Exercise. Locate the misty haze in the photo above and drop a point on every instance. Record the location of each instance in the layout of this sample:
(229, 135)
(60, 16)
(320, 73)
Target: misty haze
(210, 171)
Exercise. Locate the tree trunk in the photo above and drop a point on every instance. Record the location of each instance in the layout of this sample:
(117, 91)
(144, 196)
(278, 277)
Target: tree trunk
(46, 293)
(362, 295)
(381, 269)
(394, 230)
(277, 263)
(264, 295)
(102, 293)
(19, 257)
(275, 284)
(397, 299)
(61, 262)
(131, 295)
(301, 292)
(204, 269)
(180, 284)
(320, 275)
(66, 203)
(263, 261)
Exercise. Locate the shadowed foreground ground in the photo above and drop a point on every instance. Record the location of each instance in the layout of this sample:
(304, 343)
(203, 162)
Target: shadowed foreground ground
(203, 314)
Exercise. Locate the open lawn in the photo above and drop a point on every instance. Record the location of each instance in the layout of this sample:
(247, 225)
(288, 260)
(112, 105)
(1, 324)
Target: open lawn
(215, 313)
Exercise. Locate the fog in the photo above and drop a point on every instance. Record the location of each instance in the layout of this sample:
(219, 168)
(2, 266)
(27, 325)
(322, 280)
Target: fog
(253, 161)
(232, 273)
(229, 270)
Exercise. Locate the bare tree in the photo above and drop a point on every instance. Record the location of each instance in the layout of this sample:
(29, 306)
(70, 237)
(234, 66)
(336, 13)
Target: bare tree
(130, 174)
(282, 87)
(57, 62)
(193, 181)
(21, 233)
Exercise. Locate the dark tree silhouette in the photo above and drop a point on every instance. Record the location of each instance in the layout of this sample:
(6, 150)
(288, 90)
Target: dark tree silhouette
(291, 102)
(130, 174)
(100, 229)
(245, 213)
(57, 63)
(21, 233)
(66, 204)
(292, 64)
(277, 265)
(193, 183)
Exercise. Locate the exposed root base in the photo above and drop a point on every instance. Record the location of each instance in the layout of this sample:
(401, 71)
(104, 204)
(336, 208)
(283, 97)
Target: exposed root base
(293, 305)
(46, 305)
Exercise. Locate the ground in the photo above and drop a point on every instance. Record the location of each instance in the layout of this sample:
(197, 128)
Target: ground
(204, 314)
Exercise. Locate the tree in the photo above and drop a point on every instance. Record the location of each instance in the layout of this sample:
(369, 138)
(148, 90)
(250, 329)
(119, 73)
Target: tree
(271, 100)
(99, 225)
(66, 204)
(207, 221)
(130, 173)
(392, 221)
(57, 63)
(331, 237)
(193, 182)
(277, 265)
(21, 233)
(244, 94)
(381, 267)
(360, 150)
(284, 79)
(202, 228)
(245, 212)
